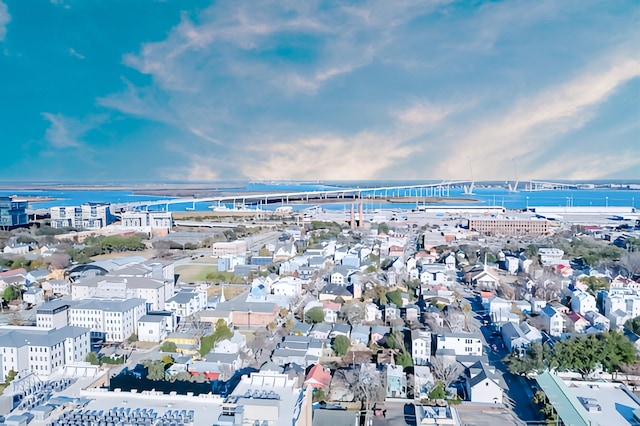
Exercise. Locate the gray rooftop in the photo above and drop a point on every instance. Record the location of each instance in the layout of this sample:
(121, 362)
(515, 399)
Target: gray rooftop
(182, 297)
(109, 305)
(17, 337)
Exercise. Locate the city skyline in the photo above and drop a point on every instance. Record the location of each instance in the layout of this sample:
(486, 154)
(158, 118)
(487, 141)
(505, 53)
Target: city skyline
(223, 91)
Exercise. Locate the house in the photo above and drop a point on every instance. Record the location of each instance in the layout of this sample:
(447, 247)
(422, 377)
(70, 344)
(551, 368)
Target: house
(421, 347)
(530, 332)
(576, 323)
(340, 329)
(460, 343)
(582, 302)
(379, 332)
(33, 296)
(235, 345)
(61, 287)
(187, 342)
(501, 310)
(550, 256)
(284, 250)
(513, 337)
(553, 320)
(597, 320)
(318, 377)
(287, 286)
(152, 328)
(396, 382)
(340, 275)
(360, 334)
(116, 319)
(484, 280)
(483, 385)
(372, 312)
(321, 330)
(301, 329)
(224, 360)
(186, 303)
(330, 310)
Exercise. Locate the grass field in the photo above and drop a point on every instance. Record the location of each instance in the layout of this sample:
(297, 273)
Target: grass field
(194, 273)
(229, 291)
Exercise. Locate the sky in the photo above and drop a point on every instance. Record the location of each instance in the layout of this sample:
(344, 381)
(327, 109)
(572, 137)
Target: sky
(194, 90)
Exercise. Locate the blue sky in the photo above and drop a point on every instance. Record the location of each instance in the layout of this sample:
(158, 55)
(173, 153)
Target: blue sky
(123, 90)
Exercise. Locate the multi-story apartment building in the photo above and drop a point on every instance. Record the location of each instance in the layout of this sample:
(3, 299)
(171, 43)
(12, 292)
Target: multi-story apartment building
(12, 212)
(621, 304)
(53, 314)
(117, 319)
(509, 226)
(154, 291)
(86, 216)
(153, 223)
(40, 350)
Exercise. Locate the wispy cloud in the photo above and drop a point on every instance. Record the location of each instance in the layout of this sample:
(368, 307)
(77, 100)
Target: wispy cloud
(532, 125)
(68, 132)
(5, 18)
(73, 52)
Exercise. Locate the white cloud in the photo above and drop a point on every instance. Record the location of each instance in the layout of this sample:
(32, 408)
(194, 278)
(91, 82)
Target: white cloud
(5, 18)
(363, 156)
(67, 132)
(73, 52)
(535, 124)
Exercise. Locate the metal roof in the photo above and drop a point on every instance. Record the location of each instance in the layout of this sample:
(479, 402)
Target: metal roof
(569, 409)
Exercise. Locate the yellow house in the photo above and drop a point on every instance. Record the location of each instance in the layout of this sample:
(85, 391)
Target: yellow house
(187, 343)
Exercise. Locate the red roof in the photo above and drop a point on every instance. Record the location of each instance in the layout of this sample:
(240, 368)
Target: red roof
(318, 377)
(19, 271)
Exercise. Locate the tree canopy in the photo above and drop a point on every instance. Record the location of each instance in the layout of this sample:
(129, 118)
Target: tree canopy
(395, 297)
(341, 345)
(221, 332)
(315, 315)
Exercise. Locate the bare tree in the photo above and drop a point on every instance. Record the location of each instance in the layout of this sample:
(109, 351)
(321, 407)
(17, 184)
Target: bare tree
(226, 371)
(630, 262)
(368, 385)
(446, 372)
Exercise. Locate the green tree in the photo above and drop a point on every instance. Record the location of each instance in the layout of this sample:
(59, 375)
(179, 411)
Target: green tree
(437, 392)
(11, 293)
(168, 346)
(404, 359)
(264, 251)
(395, 297)
(532, 361)
(383, 228)
(633, 325)
(315, 315)
(92, 358)
(341, 345)
(221, 332)
(380, 294)
(595, 283)
(10, 376)
(133, 338)
(155, 369)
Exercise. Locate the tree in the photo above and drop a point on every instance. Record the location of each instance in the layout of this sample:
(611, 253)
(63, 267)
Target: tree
(367, 386)
(437, 392)
(341, 345)
(633, 325)
(221, 332)
(445, 372)
(92, 358)
(380, 294)
(404, 359)
(155, 369)
(383, 228)
(395, 297)
(11, 293)
(168, 346)
(315, 315)
(595, 283)
(10, 376)
(630, 261)
(532, 361)
(133, 338)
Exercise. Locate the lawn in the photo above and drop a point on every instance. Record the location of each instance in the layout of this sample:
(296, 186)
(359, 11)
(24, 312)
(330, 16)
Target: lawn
(194, 273)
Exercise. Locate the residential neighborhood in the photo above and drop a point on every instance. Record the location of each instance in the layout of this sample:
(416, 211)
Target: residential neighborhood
(444, 329)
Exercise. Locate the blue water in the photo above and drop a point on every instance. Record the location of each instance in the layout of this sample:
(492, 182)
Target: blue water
(486, 196)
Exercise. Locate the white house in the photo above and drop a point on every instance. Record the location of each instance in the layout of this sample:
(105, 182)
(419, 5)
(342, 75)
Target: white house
(598, 320)
(152, 328)
(53, 314)
(550, 256)
(154, 291)
(187, 302)
(500, 310)
(553, 320)
(460, 343)
(236, 344)
(33, 296)
(421, 347)
(287, 286)
(583, 302)
(483, 385)
(513, 337)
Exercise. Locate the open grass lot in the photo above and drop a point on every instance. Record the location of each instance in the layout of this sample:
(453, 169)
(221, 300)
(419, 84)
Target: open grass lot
(194, 273)
(147, 254)
(229, 291)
